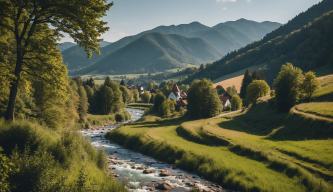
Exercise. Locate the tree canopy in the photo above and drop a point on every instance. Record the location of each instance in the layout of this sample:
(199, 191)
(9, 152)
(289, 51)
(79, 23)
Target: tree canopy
(203, 101)
(33, 28)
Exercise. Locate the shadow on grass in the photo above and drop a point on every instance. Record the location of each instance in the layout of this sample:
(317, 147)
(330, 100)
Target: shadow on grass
(264, 120)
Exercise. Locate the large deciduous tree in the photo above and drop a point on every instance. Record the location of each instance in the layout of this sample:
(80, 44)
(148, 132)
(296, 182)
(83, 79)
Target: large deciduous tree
(25, 20)
(287, 87)
(203, 101)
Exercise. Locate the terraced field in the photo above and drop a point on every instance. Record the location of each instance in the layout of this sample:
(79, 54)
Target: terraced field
(241, 151)
(256, 150)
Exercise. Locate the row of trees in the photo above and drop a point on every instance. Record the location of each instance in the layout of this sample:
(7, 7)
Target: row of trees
(290, 86)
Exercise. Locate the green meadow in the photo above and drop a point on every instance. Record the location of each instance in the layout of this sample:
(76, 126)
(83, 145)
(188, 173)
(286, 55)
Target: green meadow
(259, 149)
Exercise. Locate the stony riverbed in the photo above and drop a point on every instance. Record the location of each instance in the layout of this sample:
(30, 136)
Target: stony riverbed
(141, 173)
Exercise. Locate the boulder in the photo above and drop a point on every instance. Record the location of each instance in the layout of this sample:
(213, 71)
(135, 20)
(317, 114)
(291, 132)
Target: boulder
(164, 173)
(148, 171)
(164, 186)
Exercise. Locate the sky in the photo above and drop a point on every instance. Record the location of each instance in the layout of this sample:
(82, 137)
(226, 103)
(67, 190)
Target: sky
(129, 17)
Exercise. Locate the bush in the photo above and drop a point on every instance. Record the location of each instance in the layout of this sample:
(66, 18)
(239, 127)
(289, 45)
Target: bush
(203, 101)
(145, 97)
(168, 107)
(257, 89)
(5, 168)
(159, 99)
(44, 160)
(236, 102)
(309, 85)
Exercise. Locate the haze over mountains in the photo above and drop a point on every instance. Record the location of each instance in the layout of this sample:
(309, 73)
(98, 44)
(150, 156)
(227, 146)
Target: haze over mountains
(306, 41)
(167, 47)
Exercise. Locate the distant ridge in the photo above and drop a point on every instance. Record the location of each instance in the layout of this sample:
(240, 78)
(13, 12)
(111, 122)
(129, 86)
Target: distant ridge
(214, 41)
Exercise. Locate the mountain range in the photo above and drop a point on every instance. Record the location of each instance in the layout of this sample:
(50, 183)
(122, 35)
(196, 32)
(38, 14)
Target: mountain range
(306, 41)
(167, 47)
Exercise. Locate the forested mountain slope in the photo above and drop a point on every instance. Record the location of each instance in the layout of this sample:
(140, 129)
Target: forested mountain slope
(308, 47)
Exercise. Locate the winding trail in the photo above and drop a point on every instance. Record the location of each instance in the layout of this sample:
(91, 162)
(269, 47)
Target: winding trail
(141, 173)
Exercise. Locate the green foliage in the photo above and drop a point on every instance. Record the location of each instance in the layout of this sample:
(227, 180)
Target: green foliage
(167, 108)
(203, 101)
(231, 90)
(127, 95)
(136, 95)
(287, 86)
(159, 99)
(166, 87)
(45, 160)
(245, 83)
(145, 97)
(152, 85)
(108, 98)
(309, 85)
(298, 41)
(220, 90)
(236, 102)
(5, 168)
(83, 104)
(122, 116)
(257, 89)
(34, 29)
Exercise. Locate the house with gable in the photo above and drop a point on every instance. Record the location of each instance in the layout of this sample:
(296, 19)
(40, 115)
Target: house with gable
(179, 96)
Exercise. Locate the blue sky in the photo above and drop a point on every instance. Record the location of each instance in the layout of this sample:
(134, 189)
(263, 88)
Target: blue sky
(129, 17)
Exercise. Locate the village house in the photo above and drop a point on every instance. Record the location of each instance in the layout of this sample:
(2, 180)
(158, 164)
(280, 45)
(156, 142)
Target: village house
(179, 96)
(221, 87)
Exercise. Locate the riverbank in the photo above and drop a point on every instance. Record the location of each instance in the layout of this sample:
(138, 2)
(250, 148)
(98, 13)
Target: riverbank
(142, 173)
(242, 152)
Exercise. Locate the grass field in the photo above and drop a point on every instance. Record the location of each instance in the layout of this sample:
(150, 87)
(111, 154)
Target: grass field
(324, 93)
(324, 109)
(243, 151)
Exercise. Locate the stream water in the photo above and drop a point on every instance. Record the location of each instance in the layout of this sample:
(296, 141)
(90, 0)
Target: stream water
(141, 173)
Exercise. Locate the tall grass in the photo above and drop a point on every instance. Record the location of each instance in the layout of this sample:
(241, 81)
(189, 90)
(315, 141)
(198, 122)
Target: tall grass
(46, 160)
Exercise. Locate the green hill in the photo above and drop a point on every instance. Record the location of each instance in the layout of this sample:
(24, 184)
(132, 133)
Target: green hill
(306, 41)
(221, 38)
(154, 52)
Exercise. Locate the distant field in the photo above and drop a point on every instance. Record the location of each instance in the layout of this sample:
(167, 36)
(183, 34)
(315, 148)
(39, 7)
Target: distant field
(99, 79)
(235, 81)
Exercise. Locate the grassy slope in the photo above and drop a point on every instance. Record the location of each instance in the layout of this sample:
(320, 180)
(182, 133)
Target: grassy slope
(246, 151)
(53, 158)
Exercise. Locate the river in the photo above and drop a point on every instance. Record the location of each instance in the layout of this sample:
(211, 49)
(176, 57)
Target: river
(141, 173)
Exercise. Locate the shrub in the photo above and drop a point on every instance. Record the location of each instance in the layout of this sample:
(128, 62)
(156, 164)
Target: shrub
(203, 101)
(168, 107)
(127, 95)
(256, 89)
(5, 168)
(44, 160)
(309, 85)
(236, 102)
(119, 117)
(159, 99)
(145, 97)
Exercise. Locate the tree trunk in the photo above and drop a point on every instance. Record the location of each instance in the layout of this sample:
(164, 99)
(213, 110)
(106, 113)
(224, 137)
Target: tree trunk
(9, 115)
